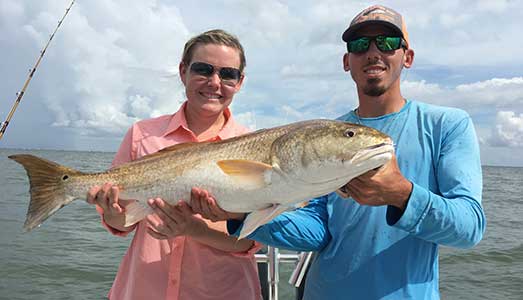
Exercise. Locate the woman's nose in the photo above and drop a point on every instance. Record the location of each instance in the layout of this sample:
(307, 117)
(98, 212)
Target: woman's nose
(214, 79)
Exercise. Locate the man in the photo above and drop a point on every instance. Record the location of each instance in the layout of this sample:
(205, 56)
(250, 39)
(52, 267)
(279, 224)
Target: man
(382, 242)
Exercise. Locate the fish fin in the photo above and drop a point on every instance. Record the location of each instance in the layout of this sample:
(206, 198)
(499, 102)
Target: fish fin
(260, 217)
(135, 212)
(252, 174)
(47, 187)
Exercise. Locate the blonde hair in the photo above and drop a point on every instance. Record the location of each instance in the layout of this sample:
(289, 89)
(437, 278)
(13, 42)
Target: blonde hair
(217, 37)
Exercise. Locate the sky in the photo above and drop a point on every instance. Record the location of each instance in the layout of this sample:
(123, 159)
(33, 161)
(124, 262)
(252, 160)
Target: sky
(115, 62)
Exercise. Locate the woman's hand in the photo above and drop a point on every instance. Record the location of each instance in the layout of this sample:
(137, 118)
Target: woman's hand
(170, 221)
(204, 204)
(107, 198)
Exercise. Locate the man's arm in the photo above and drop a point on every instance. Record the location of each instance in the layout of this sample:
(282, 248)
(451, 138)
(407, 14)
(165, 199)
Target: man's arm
(304, 229)
(454, 216)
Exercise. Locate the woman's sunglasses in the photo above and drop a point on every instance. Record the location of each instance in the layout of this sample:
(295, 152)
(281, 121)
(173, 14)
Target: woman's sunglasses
(229, 76)
(383, 43)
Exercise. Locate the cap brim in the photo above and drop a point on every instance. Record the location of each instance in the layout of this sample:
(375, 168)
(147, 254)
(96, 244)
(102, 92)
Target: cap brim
(349, 33)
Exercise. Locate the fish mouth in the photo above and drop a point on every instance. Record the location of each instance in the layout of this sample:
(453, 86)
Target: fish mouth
(385, 150)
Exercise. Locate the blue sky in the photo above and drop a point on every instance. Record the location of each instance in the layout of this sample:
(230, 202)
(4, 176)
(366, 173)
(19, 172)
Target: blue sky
(115, 62)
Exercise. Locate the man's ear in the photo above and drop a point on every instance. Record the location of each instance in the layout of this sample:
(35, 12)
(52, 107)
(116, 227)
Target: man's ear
(408, 58)
(346, 64)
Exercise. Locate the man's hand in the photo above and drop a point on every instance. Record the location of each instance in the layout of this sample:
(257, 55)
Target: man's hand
(384, 186)
(204, 204)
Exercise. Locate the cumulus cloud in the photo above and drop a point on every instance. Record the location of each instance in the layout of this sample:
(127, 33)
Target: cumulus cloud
(99, 73)
(114, 62)
(508, 131)
(476, 97)
(247, 119)
(488, 6)
(492, 104)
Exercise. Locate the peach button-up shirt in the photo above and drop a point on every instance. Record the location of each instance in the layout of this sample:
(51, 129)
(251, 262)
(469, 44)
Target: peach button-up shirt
(179, 268)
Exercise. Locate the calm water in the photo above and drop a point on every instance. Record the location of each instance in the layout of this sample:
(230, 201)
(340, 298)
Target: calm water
(72, 257)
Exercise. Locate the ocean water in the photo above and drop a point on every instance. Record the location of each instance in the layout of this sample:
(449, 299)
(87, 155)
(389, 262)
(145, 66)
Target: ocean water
(72, 257)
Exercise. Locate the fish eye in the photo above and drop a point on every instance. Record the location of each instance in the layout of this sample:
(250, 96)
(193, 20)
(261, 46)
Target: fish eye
(349, 133)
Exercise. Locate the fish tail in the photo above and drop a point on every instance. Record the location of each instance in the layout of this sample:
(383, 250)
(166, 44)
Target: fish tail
(47, 187)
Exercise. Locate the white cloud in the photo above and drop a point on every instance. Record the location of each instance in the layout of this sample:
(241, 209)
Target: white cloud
(140, 106)
(495, 82)
(247, 119)
(112, 62)
(489, 103)
(489, 6)
(493, 94)
(508, 130)
(459, 32)
(14, 9)
(451, 21)
(92, 74)
(422, 89)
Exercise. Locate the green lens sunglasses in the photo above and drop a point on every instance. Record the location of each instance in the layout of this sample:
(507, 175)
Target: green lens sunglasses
(384, 43)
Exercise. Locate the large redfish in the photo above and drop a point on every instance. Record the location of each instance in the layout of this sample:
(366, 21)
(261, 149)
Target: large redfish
(265, 172)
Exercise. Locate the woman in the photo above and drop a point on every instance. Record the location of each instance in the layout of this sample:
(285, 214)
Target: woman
(174, 253)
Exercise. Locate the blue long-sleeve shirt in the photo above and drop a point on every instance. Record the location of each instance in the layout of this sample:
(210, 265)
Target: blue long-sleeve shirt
(367, 252)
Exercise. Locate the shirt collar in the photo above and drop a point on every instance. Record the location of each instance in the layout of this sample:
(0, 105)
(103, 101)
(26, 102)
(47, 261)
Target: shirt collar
(179, 122)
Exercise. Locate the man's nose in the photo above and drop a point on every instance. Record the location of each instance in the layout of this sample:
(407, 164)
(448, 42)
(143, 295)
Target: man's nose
(373, 51)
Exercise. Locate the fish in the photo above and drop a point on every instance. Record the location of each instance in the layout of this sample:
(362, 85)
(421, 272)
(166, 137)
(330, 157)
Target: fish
(262, 173)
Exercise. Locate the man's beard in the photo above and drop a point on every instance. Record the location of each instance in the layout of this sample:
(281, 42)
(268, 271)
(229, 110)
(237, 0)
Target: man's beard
(373, 88)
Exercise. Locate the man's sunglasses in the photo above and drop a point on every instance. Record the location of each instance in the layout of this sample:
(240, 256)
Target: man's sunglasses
(229, 76)
(384, 43)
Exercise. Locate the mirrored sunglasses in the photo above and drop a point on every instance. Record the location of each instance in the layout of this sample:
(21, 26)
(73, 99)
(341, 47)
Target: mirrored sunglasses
(383, 43)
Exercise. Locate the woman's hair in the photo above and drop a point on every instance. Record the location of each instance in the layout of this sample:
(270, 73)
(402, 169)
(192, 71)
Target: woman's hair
(216, 37)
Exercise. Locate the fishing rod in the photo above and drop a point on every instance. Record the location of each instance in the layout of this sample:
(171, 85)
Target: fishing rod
(20, 94)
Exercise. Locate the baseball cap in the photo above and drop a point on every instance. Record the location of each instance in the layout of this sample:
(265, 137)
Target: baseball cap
(377, 14)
